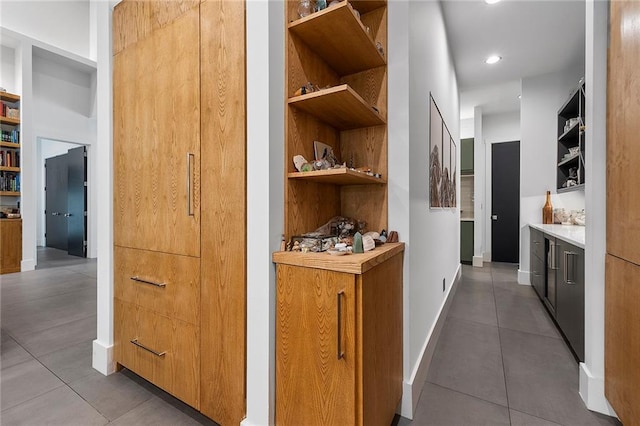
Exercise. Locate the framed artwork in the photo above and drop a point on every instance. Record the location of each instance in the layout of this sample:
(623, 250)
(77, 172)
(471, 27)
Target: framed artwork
(442, 161)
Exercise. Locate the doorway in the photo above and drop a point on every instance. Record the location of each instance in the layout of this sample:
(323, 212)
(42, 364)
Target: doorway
(66, 202)
(505, 202)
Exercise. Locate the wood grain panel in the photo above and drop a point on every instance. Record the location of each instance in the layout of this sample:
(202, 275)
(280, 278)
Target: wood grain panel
(179, 298)
(313, 386)
(343, 176)
(368, 203)
(309, 205)
(224, 206)
(134, 20)
(379, 342)
(156, 93)
(10, 245)
(622, 339)
(178, 370)
(367, 147)
(304, 65)
(623, 127)
(371, 85)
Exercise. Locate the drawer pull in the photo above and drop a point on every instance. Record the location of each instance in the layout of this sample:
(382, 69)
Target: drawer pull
(160, 354)
(340, 351)
(140, 280)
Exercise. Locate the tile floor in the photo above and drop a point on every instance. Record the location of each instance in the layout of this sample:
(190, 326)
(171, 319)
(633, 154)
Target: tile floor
(499, 359)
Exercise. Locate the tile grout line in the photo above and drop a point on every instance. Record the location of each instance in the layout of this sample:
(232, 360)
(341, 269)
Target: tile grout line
(504, 372)
(466, 394)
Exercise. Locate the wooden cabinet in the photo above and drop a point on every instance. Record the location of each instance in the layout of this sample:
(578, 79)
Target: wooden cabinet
(571, 141)
(466, 156)
(622, 282)
(341, 51)
(10, 245)
(179, 256)
(466, 241)
(9, 148)
(339, 337)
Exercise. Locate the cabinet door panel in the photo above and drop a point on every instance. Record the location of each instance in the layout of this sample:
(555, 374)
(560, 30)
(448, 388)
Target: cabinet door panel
(176, 292)
(570, 291)
(315, 321)
(175, 367)
(156, 119)
(622, 342)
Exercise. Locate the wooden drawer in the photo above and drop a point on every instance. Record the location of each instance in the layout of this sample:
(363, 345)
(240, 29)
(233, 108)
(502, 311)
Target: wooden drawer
(176, 292)
(169, 356)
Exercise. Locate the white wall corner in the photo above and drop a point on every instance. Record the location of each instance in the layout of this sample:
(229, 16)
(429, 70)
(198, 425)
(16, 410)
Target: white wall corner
(103, 358)
(524, 277)
(592, 392)
(478, 261)
(412, 388)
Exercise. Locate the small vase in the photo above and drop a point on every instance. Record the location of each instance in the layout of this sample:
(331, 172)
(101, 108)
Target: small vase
(306, 8)
(547, 210)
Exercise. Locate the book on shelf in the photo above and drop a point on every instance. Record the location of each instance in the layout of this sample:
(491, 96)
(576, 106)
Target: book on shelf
(9, 158)
(12, 136)
(9, 182)
(10, 112)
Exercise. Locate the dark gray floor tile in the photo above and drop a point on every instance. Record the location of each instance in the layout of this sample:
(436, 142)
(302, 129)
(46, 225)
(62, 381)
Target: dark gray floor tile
(11, 353)
(25, 381)
(59, 337)
(113, 395)
(70, 363)
(474, 301)
(523, 314)
(522, 419)
(444, 407)
(39, 289)
(154, 412)
(467, 359)
(60, 406)
(516, 289)
(542, 378)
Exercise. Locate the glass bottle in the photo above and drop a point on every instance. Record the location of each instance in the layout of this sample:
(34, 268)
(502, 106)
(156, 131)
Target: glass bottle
(547, 210)
(306, 8)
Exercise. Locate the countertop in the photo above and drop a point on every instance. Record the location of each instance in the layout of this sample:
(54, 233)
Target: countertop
(351, 263)
(572, 234)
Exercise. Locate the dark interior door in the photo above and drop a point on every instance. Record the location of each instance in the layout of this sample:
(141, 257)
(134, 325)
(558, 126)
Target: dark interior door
(56, 202)
(77, 201)
(505, 201)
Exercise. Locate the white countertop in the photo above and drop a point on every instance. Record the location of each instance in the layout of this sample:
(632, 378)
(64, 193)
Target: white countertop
(573, 234)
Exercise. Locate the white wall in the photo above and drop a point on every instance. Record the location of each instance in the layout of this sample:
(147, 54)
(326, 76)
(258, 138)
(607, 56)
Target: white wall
(433, 240)
(64, 24)
(8, 69)
(542, 96)
(46, 148)
(466, 128)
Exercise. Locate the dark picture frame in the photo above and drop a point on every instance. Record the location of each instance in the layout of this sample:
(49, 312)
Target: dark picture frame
(442, 161)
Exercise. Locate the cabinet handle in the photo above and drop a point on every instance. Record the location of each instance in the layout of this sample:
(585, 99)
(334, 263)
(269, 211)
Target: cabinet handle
(140, 345)
(569, 279)
(140, 280)
(190, 157)
(340, 351)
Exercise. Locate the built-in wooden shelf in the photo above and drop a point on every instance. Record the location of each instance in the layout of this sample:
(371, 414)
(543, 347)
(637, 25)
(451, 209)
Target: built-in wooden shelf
(9, 97)
(340, 107)
(9, 169)
(10, 145)
(7, 120)
(9, 194)
(339, 38)
(569, 160)
(571, 133)
(337, 177)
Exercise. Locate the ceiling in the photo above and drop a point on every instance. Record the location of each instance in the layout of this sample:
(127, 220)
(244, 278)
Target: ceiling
(533, 37)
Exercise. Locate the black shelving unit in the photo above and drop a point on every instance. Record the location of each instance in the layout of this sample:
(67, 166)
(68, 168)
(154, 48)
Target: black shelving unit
(571, 142)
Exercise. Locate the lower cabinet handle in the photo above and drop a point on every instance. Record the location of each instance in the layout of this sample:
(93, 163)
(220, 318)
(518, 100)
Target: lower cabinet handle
(190, 158)
(340, 351)
(140, 345)
(140, 280)
(569, 279)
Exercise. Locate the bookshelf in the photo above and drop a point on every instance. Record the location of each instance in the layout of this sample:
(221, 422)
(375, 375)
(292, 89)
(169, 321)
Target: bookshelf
(9, 148)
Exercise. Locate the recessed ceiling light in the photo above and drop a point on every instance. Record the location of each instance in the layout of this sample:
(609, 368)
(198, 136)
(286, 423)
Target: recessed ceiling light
(519, 96)
(491, 1)
(493, 59)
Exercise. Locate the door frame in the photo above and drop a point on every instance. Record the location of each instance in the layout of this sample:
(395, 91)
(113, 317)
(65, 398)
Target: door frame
(488, 196)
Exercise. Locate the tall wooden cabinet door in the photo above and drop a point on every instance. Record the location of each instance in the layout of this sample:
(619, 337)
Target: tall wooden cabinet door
(156, 119)
(623, 128)
(622, 339)
(315, 347)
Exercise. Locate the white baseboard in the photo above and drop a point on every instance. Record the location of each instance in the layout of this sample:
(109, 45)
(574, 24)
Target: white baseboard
(524, 277)
(486, 256)
(103, 358)
(412, 388)
(592, 392)
(478, 261)
(27, 265)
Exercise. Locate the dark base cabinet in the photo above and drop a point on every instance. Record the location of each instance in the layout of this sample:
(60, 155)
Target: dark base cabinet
(557, 275)
(466, 242)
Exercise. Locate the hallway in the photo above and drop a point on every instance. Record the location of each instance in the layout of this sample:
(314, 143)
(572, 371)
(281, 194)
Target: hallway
(499, 359)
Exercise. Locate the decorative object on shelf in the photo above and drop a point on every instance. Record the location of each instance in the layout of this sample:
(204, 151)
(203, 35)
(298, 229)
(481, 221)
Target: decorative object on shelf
(442, 161)
(560, 216)
(357, 243)
(335, 3)
(368, 243)
(578, 217)
(299, 161)
(307, 88)
(383, 236)
(323, 151)
(547, 210)
(306, 8)
(393, 237)
(380, 48)
(320, 5)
